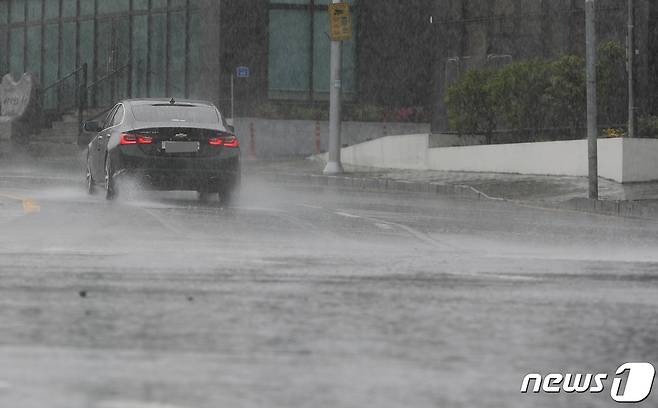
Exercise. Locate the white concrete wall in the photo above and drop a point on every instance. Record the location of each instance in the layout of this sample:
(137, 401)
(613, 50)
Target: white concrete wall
(280, 138)
(622, 160)
(395, 152)
(640, 160)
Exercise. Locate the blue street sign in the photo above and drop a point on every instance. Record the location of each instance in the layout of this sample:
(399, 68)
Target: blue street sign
(242, 72)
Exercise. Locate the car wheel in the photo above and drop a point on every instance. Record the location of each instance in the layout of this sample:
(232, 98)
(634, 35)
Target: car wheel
(91, 189)
(110, 184)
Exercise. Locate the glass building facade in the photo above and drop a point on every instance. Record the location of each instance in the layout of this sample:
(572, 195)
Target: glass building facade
(299, 50)
(157, 39)
(180, 48)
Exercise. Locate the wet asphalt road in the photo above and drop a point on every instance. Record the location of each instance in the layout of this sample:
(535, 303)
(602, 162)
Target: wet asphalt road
(301, 297)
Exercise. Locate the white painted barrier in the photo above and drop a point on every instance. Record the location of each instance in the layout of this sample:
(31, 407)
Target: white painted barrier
(622, 160)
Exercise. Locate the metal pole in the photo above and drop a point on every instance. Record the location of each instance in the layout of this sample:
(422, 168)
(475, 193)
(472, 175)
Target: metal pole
(630, 50)
(592, 128)
(232, 98)
(334, 165)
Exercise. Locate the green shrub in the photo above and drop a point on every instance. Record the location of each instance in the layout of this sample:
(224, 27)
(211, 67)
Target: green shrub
(471, 103)
(612, 87)
(647, 126)
(520, 94)
(567, 93)
(535, 94)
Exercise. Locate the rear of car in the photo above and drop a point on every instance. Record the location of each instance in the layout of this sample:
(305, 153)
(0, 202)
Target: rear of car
(169, 145)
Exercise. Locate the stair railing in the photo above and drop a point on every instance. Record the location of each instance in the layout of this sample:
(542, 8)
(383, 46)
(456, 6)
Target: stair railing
(65, 95)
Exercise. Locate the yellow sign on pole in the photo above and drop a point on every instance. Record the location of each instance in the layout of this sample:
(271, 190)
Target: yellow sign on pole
(340, 21)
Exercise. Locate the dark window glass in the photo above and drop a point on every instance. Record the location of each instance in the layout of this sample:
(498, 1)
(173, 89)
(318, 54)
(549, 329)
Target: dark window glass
(114, 6)
(34, 50)
(194, 57)
(3, 52)
(291, 61)
(140, 4)
(108, 119)
(177, 54)
(87, 50)
(158, 55)
(118, 116)
(176, 113)
(289, 56)
(50, 62)
(140, 54)
(86, 7)
(69, 8)
(16, 42)
(34, 10)
(158, 4)
(177, 3)
(3, 12)
(17, 11)
(52, 9)
(68, 48)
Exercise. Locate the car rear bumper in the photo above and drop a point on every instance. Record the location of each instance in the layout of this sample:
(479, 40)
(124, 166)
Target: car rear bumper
(179, 173)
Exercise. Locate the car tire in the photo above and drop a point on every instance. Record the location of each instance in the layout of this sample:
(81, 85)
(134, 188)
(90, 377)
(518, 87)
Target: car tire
(229, 193)
(110, 183)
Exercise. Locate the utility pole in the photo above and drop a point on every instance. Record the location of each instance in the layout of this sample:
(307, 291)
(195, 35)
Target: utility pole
(592, 127)
(630, 52)
(334, 166)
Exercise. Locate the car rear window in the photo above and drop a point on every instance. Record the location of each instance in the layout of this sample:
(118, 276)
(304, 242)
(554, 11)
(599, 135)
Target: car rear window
(176, 113)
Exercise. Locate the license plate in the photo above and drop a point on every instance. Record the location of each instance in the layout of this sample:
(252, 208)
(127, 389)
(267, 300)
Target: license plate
(180, 147)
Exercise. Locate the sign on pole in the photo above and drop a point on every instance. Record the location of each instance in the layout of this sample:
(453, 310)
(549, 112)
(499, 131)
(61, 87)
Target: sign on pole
(242, 72)
(340, 21)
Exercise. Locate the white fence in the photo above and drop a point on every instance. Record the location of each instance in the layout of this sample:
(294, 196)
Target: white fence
(622, 160)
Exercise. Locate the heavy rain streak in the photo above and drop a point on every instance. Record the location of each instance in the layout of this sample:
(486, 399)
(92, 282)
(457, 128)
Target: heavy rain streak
(314, 203)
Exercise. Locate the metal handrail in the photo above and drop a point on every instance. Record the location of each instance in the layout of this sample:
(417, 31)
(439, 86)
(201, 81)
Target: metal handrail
(61, 80)
(110, 78)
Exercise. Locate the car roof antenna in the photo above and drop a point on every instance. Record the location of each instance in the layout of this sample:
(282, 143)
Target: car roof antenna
(172, 101)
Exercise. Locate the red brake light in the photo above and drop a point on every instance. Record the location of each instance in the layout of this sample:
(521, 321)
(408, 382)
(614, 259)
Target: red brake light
(128, 139)
(231, 141)
(225, 140)
(131, 139)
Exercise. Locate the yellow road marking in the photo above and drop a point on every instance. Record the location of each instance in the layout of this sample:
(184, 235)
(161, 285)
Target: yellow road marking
(30, 206)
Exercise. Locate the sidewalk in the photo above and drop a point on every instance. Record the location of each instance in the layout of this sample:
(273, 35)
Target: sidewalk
(637, 200)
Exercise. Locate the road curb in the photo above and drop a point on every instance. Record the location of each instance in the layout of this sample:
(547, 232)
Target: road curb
(629, 209)
(383, 185)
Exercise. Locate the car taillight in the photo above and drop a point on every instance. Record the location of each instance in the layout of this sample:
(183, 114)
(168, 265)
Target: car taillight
(127, 139)
(225, 140)
(131, 139)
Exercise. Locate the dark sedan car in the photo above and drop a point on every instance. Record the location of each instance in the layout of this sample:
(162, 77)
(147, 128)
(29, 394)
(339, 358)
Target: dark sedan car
(165, 145)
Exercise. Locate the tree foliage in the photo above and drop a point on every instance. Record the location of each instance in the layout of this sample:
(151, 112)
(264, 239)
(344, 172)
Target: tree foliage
(531, 95)
(472, 103)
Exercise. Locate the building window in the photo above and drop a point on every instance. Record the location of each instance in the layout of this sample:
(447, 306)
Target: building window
(299, 51)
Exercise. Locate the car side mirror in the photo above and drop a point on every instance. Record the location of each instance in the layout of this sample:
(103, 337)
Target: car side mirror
(91, 126)
(231, 128)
